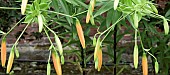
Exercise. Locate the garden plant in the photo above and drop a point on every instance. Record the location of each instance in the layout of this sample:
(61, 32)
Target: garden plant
(140, 18)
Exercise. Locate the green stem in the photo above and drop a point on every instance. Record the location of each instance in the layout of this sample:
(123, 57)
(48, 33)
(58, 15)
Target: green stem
(13, 27)
(141, 41)
(48, 36)
(144, 48)
(111, 27)
(80, 13)
(50, 29)
(59, 13)
(152, 55)
(9, 8)
(22, 33)
(136, 39)
(49, 57)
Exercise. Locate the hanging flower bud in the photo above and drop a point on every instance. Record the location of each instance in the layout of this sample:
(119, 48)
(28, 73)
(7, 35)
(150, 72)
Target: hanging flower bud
(144, 64)
(56, 62)
(80, 33)
(99, 55)
(10, 61)
(3, 52)
(23, 6)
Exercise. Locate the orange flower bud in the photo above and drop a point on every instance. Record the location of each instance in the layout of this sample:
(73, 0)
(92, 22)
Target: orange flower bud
(144, 64)
(88, 16)
(56, 62)
(3, 52)
(80, 33)
(99, 54)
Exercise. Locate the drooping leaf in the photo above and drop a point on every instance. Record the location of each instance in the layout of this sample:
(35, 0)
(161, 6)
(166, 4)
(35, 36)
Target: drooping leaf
(107, 6)
(65, 8)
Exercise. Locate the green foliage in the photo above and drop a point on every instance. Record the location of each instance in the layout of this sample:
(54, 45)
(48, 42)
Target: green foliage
(109, 16)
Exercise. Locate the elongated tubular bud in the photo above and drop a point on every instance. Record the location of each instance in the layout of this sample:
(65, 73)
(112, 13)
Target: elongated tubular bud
(94, 41)
(135, 20)
(166, 26)
(90, 10)
(88, 16)
(96, 63)
(40, 22)
(48, 68)
(97, 48)
(92, 2)
(99, 54)
(80, 33)
(156, 67)
(3, 52)
(23, 6)
(59, 45)
(10, 61)
(144, 64)
(135, 52)
(116, 2)
(135, 56)
(56, 62)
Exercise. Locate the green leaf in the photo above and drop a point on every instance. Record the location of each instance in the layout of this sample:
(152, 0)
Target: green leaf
(137, 1)
(28, 18)
(154, 8)
(126, 10)
(43, 6)
(55, 5)
(72, 2)
(65, 8)
(109, 18)
(36, 5)
(104, 8)
(167, 13)
(89, 57)
(81, 3)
